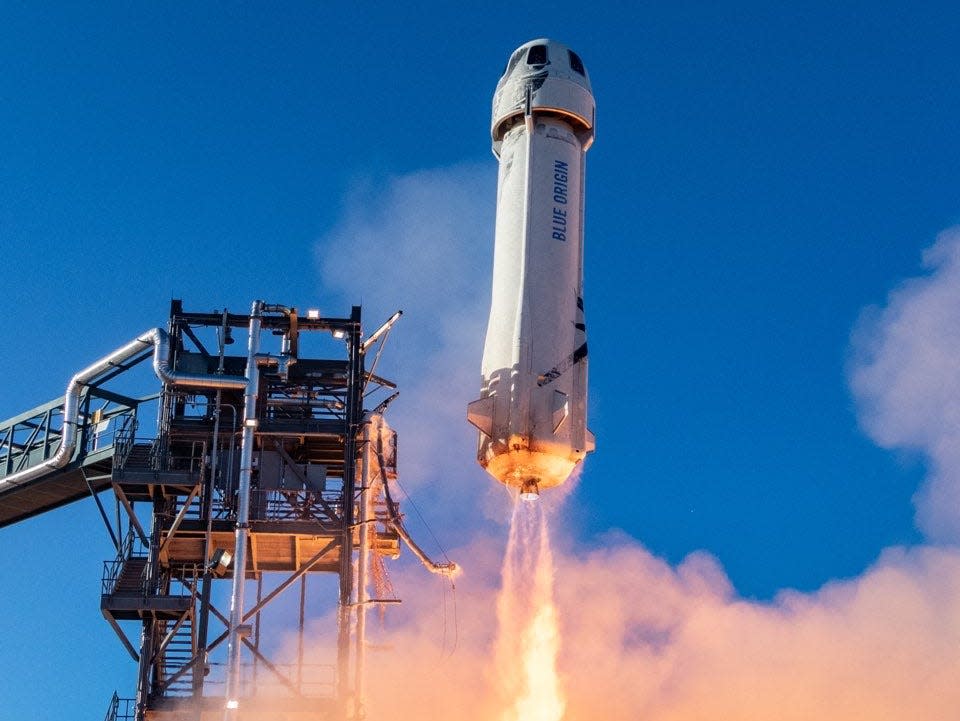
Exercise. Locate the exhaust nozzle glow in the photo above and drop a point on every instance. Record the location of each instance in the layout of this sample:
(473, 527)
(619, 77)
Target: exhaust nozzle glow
(529, 490)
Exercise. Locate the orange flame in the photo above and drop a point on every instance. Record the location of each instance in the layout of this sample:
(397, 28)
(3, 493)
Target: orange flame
(529, 637)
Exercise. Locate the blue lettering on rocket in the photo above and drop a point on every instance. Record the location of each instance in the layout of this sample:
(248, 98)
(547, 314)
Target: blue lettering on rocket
(559, 182)
(559, 223)
(559, 217)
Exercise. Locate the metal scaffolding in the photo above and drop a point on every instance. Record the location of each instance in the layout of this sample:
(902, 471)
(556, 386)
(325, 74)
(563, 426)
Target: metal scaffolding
(264, 469)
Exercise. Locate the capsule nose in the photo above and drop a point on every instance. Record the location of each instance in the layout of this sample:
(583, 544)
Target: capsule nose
(529, 490)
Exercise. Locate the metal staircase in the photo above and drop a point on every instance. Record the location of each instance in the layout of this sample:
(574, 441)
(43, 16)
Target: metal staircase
(177, 654)
(140, 457)
(132, 578)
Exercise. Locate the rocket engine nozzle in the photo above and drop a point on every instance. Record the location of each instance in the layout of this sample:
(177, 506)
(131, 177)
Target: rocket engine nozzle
(529, 490)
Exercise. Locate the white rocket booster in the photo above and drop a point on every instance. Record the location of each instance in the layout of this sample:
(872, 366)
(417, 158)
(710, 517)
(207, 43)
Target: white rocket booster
(533, 404)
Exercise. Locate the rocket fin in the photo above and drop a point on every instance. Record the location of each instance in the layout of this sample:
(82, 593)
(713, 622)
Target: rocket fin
(560, 410)
(480, 414)
(591, 441)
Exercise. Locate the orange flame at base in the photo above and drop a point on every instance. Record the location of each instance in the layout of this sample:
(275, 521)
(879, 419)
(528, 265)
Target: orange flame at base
(529, 637)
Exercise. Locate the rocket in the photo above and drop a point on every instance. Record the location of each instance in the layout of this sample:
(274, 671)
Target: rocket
(532, 409)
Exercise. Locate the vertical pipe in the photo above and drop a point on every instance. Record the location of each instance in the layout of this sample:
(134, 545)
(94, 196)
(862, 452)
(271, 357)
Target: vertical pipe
(148, 671)
(165, 410)
(362, 573)
(256, 634)
(215, 453)
(303, 603)
(243, 507)
(353, 412)
(199, 671)
(207, 513)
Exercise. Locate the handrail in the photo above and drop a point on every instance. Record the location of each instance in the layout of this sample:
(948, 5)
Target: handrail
(112, 569)
(121, 709)
(159, 341)
(32, 438)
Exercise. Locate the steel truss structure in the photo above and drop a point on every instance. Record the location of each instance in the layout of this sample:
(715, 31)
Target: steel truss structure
(264, 469)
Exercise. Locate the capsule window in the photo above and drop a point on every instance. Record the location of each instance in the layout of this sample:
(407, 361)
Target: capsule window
(576, 64)
(537, 55)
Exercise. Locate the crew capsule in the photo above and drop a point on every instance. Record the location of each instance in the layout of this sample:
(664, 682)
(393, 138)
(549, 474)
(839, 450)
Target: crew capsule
(543, 76)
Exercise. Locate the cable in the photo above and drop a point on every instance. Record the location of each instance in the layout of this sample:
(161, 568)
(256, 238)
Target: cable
(449, 568)
(426, 525)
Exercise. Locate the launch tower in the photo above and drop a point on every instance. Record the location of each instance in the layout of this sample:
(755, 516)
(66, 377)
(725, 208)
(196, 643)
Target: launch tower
(261, 468)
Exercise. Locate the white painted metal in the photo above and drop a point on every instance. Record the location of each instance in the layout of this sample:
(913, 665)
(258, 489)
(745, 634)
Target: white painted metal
(236, 628)
(533, 404)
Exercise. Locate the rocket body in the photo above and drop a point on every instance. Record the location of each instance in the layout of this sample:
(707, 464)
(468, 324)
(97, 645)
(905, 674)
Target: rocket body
(532, 410)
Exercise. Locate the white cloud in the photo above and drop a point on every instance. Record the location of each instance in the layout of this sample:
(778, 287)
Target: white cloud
(423, 243)
(906, 378)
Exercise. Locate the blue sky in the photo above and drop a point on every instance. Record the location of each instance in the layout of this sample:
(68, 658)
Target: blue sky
(761, 176)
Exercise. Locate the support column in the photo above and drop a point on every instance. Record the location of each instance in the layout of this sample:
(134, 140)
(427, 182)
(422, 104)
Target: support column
(243, 509)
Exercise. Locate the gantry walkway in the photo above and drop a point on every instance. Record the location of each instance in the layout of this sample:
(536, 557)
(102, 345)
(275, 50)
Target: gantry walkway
(33, 438)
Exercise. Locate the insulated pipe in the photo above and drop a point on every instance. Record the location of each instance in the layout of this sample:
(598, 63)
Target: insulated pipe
(362, 575)
(160, 341)
(396, 523)
(243, 508)
(161, 366)
(441, 569)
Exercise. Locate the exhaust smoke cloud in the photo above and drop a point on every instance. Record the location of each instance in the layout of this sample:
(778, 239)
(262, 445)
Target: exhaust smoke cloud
(637, 637)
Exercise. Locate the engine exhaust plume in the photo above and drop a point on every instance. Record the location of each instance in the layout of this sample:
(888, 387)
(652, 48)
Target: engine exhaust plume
(529, 639)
